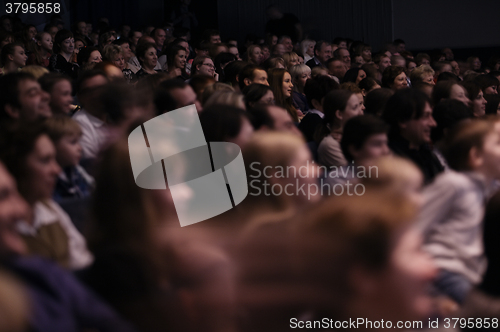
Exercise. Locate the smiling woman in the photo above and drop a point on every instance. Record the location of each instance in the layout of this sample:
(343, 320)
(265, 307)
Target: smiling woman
(280, 82)
(61, 61)
(13, 58)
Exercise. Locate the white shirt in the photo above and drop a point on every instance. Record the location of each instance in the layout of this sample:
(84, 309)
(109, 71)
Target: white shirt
(94, 133)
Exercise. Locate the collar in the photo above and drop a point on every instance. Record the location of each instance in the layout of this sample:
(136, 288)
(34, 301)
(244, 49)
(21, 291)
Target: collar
(96, 122)
(315, 111)
(43, 214)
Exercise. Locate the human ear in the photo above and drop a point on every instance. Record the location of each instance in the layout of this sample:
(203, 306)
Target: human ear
(11, 111)
(338, 114)
(475, 158)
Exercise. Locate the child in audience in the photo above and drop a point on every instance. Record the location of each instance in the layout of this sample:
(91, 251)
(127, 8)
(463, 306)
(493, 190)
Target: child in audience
(73, 181)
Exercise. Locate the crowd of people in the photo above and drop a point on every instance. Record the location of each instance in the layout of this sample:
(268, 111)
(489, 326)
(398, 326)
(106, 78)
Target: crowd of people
(373, 182)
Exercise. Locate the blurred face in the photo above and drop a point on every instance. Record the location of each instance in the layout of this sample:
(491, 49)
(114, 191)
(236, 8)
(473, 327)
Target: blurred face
(411, 66)
(287, 42)
(283, 121)
(345, 56)
(60, 98)
(260, 76)
(279, 50)
(367, 54)
(19, 57)
(95, 57)
(89, 28)
(185, 97)
(361, 75)
(215, 39)
(384, 63)
(82, 28)
(119, 61)
(180, 59)
(359, 61)
(293, 61)
(34, 101)
(68, 46)
(400, 82)
(13, 208)
(310, 50)
(337, 69)
(127, 52)
(287, 85)
(490, 154)
(78, 46)
(46, 42)
(234, 50)
(455, 68)
(478, 105)
(353, 108)
(69, 150)
(256, 55)
(207, 67)
(135, 37)
(325, 53)
(160, 37)
(428, 78)
(186, 46)
(42, 169)
(491, 90)
(458, 92)
(53, 31)
(150, 58)
(6, 41)
(244, 135)
(268, 98)
(302, 79)
(32, 33)
(476, 64)
(302, 160)
(418, 131)
(374, 147)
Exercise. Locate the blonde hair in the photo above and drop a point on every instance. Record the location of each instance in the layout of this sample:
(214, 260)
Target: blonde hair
(36, 71)
(230, 98)
(61, 125)
(290, 56)
(417, 73)
(209, 91)
(110, 51)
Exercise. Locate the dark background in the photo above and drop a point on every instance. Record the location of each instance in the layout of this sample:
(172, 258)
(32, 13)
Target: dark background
(465, 26)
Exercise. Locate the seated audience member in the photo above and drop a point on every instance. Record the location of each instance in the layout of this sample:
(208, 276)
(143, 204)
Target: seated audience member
(57, 301)
(220, 63)
(381, 61)
(88, 58)
(409, 114)
(453, 209)
(422, 74)
(394, 77)
(338, 107)
(492, 104)
(446, 76)
(368, 84)
(231, 72)
(422, 59)
(258, 94)
(229, 98)
(204, 65)
(280, 82)
(13, 58)
(73, 181)
(300, 74)
(376, 100)
(43, 50)
(224, 123)
(266, 117)
(124, 44)
(199, 83)
(254, 55)
(322, 52)
(354, 75)
(474, 63)
(336, 68)
(488, 83)
(291, 59)
(274, 62)
(116, 55)
(176, 62)
(59, 88)
(449, 90)
(476, 97)
(47, 230)
(22, 99)
(252, 74)
(62, 60)
(315, 90)
(182, 93)
(442, 67)
(146, 54)
(211, 89)
(307, 48)
(344, 55)
(36, 71)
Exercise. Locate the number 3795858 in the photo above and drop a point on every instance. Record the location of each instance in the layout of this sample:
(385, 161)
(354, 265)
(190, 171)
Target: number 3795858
(32, 7)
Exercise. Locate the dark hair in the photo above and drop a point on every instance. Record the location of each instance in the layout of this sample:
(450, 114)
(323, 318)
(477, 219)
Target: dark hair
(253, 93)
(246, 72)
(223, 59)
(221, 122)
(357, 130)
(120, 41)
(232, 71)
(275, 78)
(442, 91)
(335, 100)
(142, 48)
(259, 116)
(86, 75)
(368, 83)
(351, 75)
(318, 87)
(390, 74)
(403, 106)
(319, 45)
(61, 36)
(376, 100)
(48, 81)
(171, 53)
(492, 104)
(486, 80)
(9, 50)
(472, 89)
(84, 55)
(447, 113)
(9, 85)
(447, 76)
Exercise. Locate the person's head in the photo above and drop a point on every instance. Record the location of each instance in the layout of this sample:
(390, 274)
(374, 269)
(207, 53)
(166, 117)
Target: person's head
(382, 61)
(398, 60)
(64, 42)
(134, 37)
(394, 77)
(317, 88)
(114, 54)
(13, 55)
(364, 137)
(274, 62)
(354, 75)
(254, 54)
(376, 100)
(228, 98)
(59, 88)
(474, 146)
(258, 94)
(488, 83)
(338, 107)
(176, 58)
(252, 74)
(423, 59)
(44, 41)
(89, 55)
(323, 51)
(474, 63)
(280, 82)
(87, 85)
(307, 47)
(492, 104)
(368, 84)
(336, 67)
(203, 65)
(300, 74)
(232, 71)
(29, 32)
(181, 92)
(30, 156)
(146, 54)
(234, 50)
(65, 133)
(410, 65)
(265, 117)
(344, 55)
(409, 114)
(159, 35)
(6, 38)
(212, 36)
(124, 43)
(107, 38)
(81, 28)
(291, 59)
(476, 96)
(449, 90)
(22, 98)
(423, 73)
(287, 42)
(447, 113)
(224, 123)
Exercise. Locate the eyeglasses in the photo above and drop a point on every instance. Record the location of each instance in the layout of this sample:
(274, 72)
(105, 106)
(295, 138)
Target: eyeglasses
(209, 65)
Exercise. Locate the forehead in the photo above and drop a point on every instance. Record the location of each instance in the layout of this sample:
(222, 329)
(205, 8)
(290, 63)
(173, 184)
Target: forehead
(27, 84)
(259, 73)
(278, 113)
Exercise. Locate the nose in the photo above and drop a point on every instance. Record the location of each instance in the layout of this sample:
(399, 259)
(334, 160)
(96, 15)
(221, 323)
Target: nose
(432, 122)
(56, 169)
